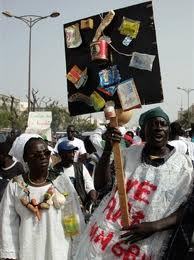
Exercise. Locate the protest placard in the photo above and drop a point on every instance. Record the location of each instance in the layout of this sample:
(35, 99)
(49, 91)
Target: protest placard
(40, 123)
(98, 61)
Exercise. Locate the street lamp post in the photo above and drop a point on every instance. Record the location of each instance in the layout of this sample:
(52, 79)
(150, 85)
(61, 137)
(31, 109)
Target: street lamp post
(30, 21)
(188, 91)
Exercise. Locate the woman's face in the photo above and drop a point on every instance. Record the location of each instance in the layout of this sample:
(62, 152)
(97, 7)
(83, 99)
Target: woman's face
(37, 155)
(157, 132)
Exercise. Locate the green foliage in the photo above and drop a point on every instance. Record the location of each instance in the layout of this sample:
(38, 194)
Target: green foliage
(61, 119)
(13, 118)
(21, 122)
(83, 124)
(4, 119)
(185, 121)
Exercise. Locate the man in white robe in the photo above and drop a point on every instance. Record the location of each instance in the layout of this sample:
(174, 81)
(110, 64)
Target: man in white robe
(158, 181)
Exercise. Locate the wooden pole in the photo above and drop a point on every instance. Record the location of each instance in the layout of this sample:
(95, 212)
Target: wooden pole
(126, 220)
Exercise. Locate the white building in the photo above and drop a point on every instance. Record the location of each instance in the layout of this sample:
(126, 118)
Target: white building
(23, 106)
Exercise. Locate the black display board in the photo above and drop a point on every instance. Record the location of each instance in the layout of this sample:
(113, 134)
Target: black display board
(148, 83)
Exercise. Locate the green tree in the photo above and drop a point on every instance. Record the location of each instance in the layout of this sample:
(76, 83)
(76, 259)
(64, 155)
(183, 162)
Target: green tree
(4, 119)
(11, 117)
(61, 119)
(184, 120)
(83, 124)
(22, 120)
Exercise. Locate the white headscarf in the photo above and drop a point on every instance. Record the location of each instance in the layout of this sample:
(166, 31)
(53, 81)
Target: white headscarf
(17, 149)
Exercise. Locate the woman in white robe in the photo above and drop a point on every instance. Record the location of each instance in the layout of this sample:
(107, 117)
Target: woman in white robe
(22, 235)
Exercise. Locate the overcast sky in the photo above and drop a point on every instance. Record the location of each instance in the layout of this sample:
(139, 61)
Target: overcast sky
(174, 22)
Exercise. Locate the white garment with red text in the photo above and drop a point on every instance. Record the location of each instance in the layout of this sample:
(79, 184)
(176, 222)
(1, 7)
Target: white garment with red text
(153, 193)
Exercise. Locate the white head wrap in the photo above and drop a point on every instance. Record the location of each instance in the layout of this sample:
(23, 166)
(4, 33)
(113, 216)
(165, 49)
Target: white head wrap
(17, 149)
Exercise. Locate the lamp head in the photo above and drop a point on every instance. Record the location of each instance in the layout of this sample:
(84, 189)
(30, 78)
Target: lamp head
(8, 14)
(54, 14)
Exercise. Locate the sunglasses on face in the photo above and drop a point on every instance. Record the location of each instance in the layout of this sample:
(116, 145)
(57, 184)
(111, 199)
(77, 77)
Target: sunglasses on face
(38, 155)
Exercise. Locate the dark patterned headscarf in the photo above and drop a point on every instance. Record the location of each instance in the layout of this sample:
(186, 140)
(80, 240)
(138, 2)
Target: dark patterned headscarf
(155, 112)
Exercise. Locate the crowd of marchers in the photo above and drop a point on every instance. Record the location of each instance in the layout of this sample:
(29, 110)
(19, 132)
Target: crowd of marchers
(62, 202)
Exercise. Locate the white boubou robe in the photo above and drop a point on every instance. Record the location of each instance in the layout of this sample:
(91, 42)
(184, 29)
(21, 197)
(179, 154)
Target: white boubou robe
(153, 193)
(22, 237)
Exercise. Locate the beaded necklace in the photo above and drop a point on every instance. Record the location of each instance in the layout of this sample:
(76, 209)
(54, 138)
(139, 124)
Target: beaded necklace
(37, 184)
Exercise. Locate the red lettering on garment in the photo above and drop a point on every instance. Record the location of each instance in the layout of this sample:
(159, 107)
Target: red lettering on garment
(131, 184)
(113, 215)
(110, 207)
(117, 249)
(104, 240)
(97, 235)
(127, 252)
(137, 217)
(144, 189)
(132, 252)
(93, 231)
(116, 216)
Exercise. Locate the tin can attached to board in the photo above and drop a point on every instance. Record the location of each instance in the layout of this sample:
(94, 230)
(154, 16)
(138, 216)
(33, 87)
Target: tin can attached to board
(99, 51)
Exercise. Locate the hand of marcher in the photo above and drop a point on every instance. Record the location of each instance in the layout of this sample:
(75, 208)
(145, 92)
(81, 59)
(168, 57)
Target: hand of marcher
(111, 135)
(93, 194)
(138, 232)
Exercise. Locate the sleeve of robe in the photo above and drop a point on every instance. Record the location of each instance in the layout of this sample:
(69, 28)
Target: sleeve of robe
(88, 181)
(184, 183)
(9, 225)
